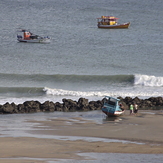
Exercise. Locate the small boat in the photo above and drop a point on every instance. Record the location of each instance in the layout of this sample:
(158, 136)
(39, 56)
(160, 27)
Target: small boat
(110, 22)
(112, 107)
(29, 37)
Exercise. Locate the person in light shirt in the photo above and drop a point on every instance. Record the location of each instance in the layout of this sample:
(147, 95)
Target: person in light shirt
(135, 108)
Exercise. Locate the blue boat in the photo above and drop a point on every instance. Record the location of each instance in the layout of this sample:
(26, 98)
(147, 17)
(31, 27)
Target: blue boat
(112, 106)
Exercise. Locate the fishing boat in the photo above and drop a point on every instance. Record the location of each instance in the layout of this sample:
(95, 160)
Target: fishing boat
(112, 106)
(110, 22)
(29, 37)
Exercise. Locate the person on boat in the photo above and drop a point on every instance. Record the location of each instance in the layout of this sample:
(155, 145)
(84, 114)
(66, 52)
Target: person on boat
(131, 109)
(135, 108)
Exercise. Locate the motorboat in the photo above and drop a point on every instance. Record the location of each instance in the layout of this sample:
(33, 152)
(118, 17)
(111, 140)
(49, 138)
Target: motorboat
(112, 106)
(29, 37)
(110, 22)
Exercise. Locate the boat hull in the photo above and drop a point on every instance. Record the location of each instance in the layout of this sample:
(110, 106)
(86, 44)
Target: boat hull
(46, 40)
(117, 26)
(115, 114)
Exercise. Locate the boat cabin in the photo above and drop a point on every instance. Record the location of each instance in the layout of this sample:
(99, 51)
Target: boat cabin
(34, 37)
(111, 102)
(27, 35)
(107, 20)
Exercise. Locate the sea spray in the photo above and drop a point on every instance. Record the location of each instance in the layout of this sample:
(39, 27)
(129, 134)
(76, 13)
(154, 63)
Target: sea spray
(150, 81)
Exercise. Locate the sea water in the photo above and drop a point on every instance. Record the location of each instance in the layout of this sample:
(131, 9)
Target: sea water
(81, 60)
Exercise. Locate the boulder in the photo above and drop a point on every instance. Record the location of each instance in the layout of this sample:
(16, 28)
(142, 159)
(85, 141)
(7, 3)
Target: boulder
(1, 110)
(136, 100)
(69, 105)
(20, 108)
(31, 106)
(95, 105)
(58, 107)
(83, 104)
(7, 108)
(47, 106)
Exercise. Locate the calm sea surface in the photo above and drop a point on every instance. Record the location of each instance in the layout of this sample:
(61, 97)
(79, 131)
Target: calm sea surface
(81, 60)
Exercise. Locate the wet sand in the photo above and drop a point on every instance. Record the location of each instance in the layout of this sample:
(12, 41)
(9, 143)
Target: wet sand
(146, 129)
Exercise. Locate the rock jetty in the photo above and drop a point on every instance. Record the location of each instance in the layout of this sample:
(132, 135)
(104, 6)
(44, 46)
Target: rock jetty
(82, 104)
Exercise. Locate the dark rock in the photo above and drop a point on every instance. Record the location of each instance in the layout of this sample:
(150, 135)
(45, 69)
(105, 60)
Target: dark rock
(58, 106)
(15, 107)
(95, 105)
(136, 100)
(7, 108)
(47, 106)
(83, 104)
(31, 106)
(20, 108)
(69, 105)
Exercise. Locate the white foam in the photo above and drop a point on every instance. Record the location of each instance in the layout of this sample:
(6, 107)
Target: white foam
(150, 81)
(123, 92)
(61, 92)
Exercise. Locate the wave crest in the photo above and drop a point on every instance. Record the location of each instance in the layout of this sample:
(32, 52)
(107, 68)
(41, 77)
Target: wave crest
(150, 81)
(122, 93)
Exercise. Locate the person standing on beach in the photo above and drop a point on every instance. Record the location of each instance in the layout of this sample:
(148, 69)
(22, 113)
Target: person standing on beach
(135, 108)
(131, 109)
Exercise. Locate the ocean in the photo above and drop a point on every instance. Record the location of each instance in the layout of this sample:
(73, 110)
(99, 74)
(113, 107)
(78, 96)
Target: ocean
(81, 60)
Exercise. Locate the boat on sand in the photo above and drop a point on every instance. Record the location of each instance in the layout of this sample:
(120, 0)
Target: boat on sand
(110, 22)
(112, 106)
(29, 37)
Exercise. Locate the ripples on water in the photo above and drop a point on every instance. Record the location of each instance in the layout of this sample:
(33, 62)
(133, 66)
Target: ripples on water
(81, 60)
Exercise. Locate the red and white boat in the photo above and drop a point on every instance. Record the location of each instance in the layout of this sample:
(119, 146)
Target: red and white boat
(29, 37)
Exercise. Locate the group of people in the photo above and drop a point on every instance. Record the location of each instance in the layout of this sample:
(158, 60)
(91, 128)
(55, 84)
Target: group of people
(133, 109)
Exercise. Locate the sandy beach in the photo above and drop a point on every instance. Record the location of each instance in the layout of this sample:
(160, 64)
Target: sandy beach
(142, 134)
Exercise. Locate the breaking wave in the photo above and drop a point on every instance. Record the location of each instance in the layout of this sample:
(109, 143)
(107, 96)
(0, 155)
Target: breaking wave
(122, 93)
(150, 81)
(99, 86)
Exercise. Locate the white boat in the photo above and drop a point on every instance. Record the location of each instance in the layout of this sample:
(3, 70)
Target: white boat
(29, 37)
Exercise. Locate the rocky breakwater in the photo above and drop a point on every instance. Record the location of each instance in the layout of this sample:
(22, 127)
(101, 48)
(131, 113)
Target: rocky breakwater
(68, 105)
(82, 104)
(151, 103)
